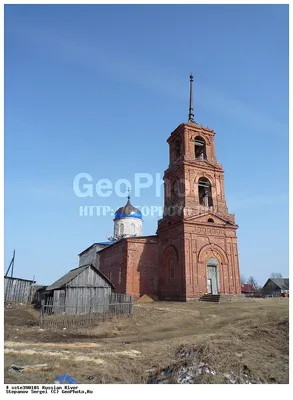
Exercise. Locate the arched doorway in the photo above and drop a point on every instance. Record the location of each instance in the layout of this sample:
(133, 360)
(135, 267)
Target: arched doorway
(212, 275)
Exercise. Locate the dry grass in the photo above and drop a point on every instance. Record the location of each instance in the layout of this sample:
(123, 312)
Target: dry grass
(259, 351)
(251, 337)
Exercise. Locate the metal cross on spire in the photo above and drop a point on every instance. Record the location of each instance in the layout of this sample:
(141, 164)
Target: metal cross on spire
(191, 114)
(128, 191)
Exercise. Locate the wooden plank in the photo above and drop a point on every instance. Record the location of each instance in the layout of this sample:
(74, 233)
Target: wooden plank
(88, 286)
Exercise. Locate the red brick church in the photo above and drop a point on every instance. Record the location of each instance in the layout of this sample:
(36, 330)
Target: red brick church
(194, 250)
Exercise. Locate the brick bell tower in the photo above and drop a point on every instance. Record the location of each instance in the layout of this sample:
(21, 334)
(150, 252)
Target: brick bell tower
(197, 235)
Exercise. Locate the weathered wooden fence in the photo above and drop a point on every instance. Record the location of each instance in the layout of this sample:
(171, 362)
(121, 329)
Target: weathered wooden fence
(116, 305)
(17, 290)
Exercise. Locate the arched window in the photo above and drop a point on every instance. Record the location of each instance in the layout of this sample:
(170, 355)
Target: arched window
(170, 261)
(211, 220)
(175, 191)
(171, 268)
(119, 275)
(200, 148)
(205, 192)
(132, 229)
(177, 148)
(121, 229)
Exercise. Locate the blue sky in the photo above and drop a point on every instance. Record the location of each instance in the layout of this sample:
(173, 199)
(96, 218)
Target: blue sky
(99, 88)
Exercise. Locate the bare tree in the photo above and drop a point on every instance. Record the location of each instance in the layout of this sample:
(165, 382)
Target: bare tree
(276, 275)
(253, 283)
(242, 279)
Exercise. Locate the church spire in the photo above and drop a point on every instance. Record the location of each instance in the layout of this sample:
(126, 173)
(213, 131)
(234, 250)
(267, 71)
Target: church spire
(191, 114)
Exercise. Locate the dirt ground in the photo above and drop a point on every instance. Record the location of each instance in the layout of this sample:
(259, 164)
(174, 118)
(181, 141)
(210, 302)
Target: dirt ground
(252, 335)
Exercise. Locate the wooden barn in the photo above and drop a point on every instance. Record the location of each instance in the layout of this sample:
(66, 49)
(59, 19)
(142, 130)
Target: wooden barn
(82, 290)
(17, 289)
(276, 287)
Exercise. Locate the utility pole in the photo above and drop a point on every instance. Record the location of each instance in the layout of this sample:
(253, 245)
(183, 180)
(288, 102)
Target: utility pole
(11, 265)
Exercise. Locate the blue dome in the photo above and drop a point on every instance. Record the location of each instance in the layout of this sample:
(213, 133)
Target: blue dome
(128, 211)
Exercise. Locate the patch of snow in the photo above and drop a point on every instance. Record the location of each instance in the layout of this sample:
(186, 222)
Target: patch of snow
(190, 374)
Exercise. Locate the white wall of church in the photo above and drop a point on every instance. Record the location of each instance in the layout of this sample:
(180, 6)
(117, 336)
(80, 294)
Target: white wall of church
(126, 227)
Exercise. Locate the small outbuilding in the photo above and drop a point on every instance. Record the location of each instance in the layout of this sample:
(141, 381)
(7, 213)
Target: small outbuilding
(17, 289)
(276, 287)
(82, 290)
(247, 289)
